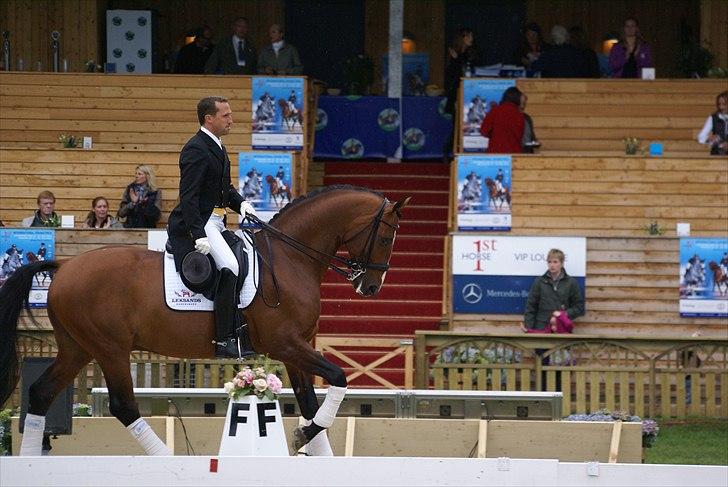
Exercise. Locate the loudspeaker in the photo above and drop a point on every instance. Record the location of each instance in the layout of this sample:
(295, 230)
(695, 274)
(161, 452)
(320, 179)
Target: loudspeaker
(59, 419)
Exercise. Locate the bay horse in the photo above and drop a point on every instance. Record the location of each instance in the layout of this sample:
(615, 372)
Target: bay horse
(720, 278)
(494, 195)
(290, 116)
(100, 310)
(277, 194)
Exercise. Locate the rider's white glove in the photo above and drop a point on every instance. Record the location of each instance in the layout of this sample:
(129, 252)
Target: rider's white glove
(247, 208)
(202, 245)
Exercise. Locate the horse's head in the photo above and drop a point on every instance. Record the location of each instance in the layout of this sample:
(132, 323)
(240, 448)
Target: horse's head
(370, 242)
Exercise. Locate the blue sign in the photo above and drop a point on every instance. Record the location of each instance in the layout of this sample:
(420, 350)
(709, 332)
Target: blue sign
(415, 73)
(484, 192)
(479, 97)
(23, 246)
(266, 181)
(278, 108)
(704, 277)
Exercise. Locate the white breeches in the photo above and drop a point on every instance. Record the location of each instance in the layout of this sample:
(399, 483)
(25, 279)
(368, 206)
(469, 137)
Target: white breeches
(220, 250)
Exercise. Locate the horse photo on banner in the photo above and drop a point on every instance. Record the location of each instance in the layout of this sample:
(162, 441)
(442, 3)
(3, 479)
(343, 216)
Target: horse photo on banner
(24, 246)
(493, 274)
(704, 277)
(266, 181)
(483, 192)
(278, 108)
(479, 96)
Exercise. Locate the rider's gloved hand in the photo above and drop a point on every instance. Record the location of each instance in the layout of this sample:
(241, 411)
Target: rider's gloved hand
(247, 208)
(202, 245)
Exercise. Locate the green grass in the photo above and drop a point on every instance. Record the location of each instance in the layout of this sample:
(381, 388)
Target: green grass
(699, 442)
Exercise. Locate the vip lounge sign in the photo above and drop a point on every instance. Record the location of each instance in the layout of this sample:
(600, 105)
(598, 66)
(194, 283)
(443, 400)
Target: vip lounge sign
(493, 274)
(253, 427)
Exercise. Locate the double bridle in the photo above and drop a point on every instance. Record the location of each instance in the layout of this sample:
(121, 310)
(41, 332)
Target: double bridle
(350, 268)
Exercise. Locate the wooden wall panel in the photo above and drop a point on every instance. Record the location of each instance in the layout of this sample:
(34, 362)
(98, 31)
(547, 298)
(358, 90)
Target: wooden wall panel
(714, 29)
(659, 22)
(30, 23)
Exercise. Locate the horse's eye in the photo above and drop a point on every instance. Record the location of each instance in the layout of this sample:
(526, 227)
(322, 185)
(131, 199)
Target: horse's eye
(386, 240)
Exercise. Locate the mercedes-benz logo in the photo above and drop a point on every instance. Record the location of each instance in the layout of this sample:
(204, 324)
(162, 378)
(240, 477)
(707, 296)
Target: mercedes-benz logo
(472, 293)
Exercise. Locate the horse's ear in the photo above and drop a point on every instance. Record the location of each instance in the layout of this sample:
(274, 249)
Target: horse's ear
(397, 208)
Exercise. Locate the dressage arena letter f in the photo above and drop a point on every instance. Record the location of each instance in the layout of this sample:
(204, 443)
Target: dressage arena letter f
(236, 418)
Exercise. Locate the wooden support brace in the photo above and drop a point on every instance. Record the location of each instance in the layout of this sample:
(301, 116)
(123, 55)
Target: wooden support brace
(482, 437)
(350, 436)
(614, 445)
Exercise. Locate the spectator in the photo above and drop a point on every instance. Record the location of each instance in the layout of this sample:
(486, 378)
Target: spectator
(191, 58)
(461, 54)
(631, 53)
(504, 124)
(44, 216)
(531, 46)
(279, 57)
(99, 216)
(141, 203)
(529, 135)
(715, 130)
(554, 299)
(561, 61)
(589, 59)
(233, 55)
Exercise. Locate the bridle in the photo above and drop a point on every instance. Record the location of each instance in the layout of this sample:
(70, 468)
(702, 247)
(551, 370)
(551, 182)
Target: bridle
(349, 268)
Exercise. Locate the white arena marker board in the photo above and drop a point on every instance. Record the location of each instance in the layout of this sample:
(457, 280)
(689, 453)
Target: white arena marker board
(253, 427)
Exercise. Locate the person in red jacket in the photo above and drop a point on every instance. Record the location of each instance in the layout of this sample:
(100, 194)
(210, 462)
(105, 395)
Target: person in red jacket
(504, 124)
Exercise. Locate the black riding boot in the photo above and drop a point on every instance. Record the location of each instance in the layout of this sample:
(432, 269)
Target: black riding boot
(228, 329)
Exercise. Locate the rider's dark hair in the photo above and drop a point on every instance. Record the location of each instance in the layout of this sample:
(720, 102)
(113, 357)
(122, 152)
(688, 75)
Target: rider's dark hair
(512, 95)
(207, 106)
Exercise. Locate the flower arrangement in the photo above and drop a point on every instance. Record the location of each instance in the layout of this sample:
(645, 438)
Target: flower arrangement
(254, 381)
(654, 228)
(68, 141)
(650, 429)
(632, 146)
(5, 439)
(82, 409)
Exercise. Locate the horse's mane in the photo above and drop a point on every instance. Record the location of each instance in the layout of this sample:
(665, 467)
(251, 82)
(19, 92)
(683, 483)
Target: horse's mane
(319, 191)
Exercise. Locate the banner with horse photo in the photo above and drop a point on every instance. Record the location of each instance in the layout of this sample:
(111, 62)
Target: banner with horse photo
(479, 97)
(266, 181)
(278, 108)
(24, 246)
(483, 192)
(704, 277)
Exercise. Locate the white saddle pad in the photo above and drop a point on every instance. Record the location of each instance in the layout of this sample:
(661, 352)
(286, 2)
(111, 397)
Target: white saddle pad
(179, 298)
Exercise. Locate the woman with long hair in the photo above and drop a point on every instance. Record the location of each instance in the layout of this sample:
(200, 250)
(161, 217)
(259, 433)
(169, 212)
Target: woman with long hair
(631, 54)
(531, 47)
(504, 124)
(99, 216)
(141, 203)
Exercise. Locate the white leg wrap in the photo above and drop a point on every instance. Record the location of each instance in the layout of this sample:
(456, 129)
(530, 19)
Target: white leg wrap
(319, 446)
(147, 438)
(327, 412)
(32, 444)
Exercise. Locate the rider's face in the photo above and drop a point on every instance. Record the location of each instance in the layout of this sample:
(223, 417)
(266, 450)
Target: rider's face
(220, 123)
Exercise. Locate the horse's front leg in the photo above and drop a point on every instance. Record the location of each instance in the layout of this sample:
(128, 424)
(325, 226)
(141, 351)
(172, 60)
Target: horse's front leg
(308, 404)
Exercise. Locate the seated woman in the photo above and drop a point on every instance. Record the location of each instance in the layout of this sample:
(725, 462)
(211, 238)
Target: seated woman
(554, 299)
(715, 130)
(141, 203)
(504, 124)
(99, 216)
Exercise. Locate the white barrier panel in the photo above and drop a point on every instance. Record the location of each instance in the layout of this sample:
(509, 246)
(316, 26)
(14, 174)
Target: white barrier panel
(335, 471)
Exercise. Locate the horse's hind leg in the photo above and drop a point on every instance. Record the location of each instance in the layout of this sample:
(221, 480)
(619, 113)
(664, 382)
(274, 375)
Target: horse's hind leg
(308, 403)
(123, 405)
(70, 359)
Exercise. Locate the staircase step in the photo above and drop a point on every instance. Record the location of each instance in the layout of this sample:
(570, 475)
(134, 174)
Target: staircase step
(414, 293)
(421, 227)
(399, 276)
(414, 213)
(367, 325)
(440, 198)
(390, 183)
(348, 168)
(419, 243)
(380, 307)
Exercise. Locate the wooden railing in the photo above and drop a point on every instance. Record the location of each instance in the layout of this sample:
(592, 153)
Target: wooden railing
(669, 377)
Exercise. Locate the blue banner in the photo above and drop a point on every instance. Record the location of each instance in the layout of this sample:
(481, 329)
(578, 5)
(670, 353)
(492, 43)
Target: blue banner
(266, 181)
(426, 127)
(23, 246)
(484, 192)
(704, 277)
(277, 110)
(479, 96)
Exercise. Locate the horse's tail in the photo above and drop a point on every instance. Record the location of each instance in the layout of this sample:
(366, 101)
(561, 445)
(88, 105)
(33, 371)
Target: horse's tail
(13, 296)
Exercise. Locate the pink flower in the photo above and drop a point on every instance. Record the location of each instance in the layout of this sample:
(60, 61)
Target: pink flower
(274, 383)
(248, 376)
(238, 382)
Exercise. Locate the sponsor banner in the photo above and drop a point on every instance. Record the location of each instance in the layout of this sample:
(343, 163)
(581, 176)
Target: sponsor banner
(479, 97)
(266, 181)
(128, 41)
(24, 246)
(704, 277)
(484, 192)
(493, 274)
(278, 108)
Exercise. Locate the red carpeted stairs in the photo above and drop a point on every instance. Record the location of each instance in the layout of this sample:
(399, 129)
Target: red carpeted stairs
(411, 298)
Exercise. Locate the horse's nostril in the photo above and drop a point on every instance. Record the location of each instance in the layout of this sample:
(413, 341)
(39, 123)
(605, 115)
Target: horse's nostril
(373, 288)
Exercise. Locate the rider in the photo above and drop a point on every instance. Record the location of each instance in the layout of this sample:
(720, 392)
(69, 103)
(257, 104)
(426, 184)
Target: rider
(41, 251)
(280, 176)
(499, 181)
(724, 263)
(205, 191)
(8, 253)
(292, 99)
(252, 175)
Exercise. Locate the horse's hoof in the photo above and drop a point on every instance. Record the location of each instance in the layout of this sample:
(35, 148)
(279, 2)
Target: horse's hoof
(299, 439)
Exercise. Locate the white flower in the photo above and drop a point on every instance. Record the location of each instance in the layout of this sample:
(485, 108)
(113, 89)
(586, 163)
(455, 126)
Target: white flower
(260, 385)
(229, 386)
